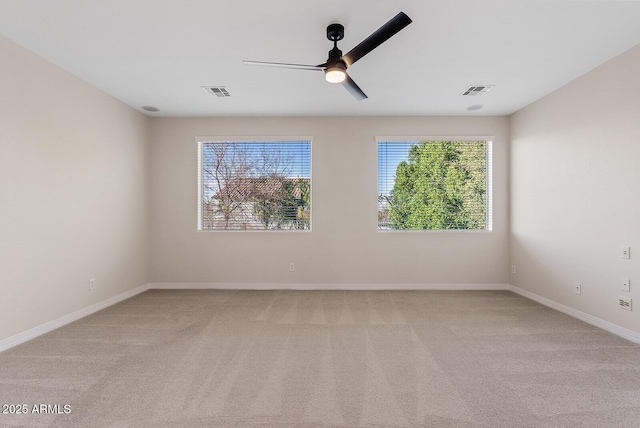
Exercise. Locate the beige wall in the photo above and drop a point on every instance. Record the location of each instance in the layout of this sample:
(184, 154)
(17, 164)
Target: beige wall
(344, 246)
(575, 192)
(73, 193)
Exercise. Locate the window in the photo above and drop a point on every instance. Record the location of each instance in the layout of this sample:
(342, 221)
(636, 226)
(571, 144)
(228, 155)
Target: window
(434, 185)
(254, 185)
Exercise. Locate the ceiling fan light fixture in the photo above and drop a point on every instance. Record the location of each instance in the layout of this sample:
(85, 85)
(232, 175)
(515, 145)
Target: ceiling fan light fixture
(335, 74)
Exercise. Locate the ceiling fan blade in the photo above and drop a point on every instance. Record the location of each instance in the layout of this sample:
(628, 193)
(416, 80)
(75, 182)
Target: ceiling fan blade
(320, 67)
(380, 36)
(355, 90)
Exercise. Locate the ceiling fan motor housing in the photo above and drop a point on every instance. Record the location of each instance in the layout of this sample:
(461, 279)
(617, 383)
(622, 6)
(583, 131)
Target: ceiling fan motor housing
(334, 57)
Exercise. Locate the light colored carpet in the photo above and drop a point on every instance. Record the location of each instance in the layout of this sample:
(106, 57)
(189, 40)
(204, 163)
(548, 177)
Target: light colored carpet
(229, 358)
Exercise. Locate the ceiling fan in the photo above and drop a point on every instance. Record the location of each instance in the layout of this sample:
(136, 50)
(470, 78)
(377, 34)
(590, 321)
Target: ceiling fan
(335, 69)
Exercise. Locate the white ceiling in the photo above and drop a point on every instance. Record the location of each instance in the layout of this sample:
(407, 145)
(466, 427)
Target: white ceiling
(160, 52)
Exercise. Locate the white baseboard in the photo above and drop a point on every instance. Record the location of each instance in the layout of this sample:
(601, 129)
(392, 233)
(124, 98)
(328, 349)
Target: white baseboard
(320, 286)
(589, 319)
(32, 333)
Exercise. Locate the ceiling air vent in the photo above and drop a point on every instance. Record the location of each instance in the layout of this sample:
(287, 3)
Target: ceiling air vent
(218, 91)
(476, 90)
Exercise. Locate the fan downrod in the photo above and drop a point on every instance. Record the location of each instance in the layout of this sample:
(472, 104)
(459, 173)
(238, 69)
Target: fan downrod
(335, 32)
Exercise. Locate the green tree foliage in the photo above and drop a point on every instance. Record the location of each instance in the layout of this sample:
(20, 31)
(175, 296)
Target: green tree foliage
(442, 185)
(282, 202)
(296, 202)
(267, 193)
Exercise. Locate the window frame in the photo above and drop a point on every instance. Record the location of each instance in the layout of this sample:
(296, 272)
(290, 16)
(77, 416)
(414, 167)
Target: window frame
(200, 140)
(488, 139)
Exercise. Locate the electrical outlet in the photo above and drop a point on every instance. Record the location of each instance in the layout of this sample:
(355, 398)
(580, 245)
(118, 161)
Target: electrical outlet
(92, 284)
(624, 303)
(292, 267)
(625, 252)
(577, 288)
(513, 268)
(626, 284)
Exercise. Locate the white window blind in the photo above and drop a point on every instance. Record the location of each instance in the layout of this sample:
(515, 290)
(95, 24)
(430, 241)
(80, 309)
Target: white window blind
(434, 185)
(255, 185)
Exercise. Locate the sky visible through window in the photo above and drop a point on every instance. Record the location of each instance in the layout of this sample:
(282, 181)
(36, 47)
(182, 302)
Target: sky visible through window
(295, 157)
